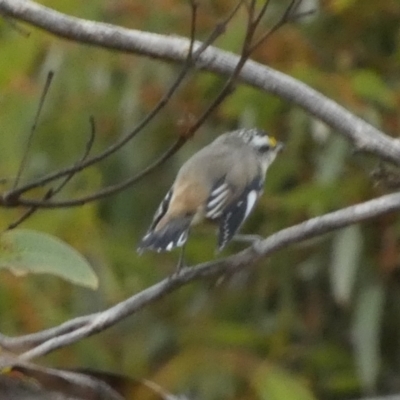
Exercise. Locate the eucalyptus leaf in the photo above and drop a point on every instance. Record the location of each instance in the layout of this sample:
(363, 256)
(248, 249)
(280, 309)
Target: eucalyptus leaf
(24, 251)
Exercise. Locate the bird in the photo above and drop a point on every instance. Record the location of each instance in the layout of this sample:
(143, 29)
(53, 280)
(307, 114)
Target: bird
(220, 183)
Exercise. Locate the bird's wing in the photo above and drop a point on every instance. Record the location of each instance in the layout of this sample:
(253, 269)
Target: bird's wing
(161, 210)
(219, 197)
(237, 211)
(170, 235)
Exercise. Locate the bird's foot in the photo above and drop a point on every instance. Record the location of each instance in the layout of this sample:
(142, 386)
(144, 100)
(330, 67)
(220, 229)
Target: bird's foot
(252, 239)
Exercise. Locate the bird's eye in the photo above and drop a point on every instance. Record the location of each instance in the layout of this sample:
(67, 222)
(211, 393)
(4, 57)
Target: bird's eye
(264, 148)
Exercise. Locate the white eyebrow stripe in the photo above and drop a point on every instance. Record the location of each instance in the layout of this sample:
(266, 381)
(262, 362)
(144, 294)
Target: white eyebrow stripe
(259, 141)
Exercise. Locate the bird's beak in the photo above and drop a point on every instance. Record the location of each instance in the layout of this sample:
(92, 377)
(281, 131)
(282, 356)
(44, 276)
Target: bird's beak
(278, 146)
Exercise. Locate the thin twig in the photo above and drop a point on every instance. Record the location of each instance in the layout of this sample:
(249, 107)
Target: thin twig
(262, 12)
(193, 25)
(28, 213)
(113, 189)
(218, 30)
(85, 155)
(33, 128)
(25, 215)
(14, 194)
(288, 16)
(53, 191)
(229, 84)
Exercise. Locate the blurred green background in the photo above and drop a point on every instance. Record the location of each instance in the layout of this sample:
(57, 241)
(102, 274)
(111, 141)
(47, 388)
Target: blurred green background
(316, 320)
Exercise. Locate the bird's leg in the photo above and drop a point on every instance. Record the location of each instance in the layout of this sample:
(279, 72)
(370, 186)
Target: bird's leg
(181, 261)
(247, 238)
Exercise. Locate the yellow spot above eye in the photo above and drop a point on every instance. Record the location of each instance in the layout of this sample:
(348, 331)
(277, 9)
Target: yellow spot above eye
(272, 142)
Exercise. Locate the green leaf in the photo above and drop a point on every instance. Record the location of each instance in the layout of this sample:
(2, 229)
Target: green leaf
(24, 251)
(276, 384)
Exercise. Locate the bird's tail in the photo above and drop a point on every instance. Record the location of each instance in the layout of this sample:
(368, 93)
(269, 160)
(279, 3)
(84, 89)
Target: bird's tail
(173, 234)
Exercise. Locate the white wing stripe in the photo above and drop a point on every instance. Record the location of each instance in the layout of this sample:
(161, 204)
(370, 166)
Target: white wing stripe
(216, 206)
(162, 209)
(217, 200)
(214, 213)
(251, 201)
(219, 189)
(182, 239)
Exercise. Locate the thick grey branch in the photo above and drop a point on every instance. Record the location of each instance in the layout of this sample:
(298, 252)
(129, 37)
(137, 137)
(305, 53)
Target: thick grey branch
(89, 325)
(364, 136)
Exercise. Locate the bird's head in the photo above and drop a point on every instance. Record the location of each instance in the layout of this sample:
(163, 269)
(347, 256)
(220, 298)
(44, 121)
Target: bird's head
(266, 147)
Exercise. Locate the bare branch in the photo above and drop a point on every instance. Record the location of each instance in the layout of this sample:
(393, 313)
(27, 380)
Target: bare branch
(364, 136)
(52, 192)
(42, 203)
(193, 6)
(33, 128)
(262, 12)
(290, 15)
(82, 327)
(26, 342)
(13, 195)
(64, 382)
(85, 155)
(28, 213)
(218, 30)
(228, 87)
